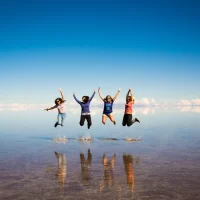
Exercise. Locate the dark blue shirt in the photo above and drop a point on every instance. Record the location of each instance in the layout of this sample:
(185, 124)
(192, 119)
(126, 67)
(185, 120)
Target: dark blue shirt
(107, 108)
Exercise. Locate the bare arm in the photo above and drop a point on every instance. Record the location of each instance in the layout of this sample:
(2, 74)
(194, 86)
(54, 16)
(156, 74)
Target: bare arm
(92, 95)
(130, 91)
(116, 95)
(100, 94)
(62, 95)
(127, 93)
(51, 108)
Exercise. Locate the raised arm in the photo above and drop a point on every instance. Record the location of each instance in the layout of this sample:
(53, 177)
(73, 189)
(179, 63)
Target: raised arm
(127, 93)
(76, 99)
(116, 95)
(51, 108)
(63, 99)
(92, 95)
(100, 94)
(131, 93)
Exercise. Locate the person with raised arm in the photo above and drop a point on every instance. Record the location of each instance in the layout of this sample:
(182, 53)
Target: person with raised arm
(108, 104)
(61, 109)
(127, 119)
(85, 109)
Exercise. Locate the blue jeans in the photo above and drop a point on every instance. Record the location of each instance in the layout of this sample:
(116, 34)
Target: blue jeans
(61, 117)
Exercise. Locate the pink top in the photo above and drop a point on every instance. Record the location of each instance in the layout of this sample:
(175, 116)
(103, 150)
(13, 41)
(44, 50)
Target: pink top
(61, 108)
(128, 108)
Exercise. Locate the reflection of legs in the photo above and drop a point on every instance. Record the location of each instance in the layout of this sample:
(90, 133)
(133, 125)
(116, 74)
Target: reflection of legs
(108, 167)
(89, 157)
(82, 120)
(111, 117)
(104, 159)
(89, 121)
(104, 118)
(124, 122)
(62, 167)
(112, 162)
(82, 158)
(128, 165)
(85, 164)
(104, 162)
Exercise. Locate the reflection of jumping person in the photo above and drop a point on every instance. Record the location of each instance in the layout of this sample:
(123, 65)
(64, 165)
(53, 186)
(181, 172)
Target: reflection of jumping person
(61, 109)
(108, 104)
(62, 168)
(108, 167)
(85, 165)
(128, 165)
(127, 120)
(85, 111)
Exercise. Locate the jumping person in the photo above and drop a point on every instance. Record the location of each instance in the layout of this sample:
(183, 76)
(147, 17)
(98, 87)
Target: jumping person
(85, 109)
(108, 104)
(127, 120)
(61, 109)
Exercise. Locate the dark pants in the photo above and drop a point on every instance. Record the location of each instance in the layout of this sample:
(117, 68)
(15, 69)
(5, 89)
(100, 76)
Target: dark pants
(127, 120)
(88, 118)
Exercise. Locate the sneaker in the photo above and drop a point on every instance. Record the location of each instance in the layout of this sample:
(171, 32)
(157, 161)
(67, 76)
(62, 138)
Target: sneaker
(62, 125)
(56, 124)
(88, 127)
(137, 120)
(114, 122)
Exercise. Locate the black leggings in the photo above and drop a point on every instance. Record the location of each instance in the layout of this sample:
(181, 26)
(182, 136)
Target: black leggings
(127, 120)
(88, 118)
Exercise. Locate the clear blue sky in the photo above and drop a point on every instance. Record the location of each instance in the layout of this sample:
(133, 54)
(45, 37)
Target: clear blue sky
(151, 46)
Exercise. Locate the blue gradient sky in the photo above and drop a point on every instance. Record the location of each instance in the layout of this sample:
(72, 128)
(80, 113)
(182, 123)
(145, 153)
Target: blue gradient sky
(150, 46)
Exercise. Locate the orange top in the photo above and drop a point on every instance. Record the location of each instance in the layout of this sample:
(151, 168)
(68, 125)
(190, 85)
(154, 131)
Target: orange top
(128, 108)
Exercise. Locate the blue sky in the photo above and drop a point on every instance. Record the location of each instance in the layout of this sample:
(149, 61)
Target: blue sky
(151, 46)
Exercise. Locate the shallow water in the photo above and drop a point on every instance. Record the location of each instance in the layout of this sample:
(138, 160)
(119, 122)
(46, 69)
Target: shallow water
(164, 164)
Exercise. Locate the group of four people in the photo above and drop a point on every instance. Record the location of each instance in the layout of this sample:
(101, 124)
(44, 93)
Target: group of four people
(85, 109)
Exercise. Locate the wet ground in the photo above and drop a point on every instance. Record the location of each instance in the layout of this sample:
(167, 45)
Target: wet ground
(163, 164)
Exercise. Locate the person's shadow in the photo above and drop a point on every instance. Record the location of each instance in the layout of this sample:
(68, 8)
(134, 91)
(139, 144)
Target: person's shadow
(108, 167)
(85, 167)
(62, 168)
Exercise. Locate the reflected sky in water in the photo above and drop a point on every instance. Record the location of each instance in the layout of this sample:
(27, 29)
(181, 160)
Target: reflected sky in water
(163, 165)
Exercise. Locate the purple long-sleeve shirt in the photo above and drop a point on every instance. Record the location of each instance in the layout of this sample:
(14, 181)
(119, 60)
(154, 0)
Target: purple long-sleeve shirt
(85, 106)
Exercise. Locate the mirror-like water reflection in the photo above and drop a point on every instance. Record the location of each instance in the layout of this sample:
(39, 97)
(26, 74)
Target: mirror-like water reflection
(62, 168)
(164, 164)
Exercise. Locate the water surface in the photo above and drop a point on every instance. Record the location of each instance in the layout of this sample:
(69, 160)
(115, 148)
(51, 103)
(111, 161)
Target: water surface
(165, 164)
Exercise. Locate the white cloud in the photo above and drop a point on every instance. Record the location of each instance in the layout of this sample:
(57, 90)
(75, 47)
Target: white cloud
(97, 105)
(195, 109)
(23, 107)
(192, 102)
(146, 102)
